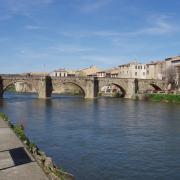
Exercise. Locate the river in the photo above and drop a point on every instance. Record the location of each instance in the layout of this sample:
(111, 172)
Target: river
(103, 139)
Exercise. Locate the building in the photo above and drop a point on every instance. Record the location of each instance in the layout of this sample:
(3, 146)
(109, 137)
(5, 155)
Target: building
(132, 70)
(173, 69)
(90, 71)
(172, 62)
(156, 70)
(169, 70)
(101, 74)
(59, 73)
(114, 73)
(63, 73)
(36, 74)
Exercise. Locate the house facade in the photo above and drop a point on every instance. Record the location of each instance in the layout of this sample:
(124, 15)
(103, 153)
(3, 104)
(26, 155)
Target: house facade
(156, 70)
(173, 68)
(90, 71)
(59, 73)
(132, 70)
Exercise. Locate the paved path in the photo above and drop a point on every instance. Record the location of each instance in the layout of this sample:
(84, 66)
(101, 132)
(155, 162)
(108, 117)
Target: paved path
(15, 161)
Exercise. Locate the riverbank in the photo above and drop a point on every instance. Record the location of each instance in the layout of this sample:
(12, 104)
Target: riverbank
(27, 158)
(162, 98)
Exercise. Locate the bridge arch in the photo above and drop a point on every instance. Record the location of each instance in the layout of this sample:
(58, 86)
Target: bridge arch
(146, 86)
(72, 83)
(156, 87)
(30, 84)
(123, 91)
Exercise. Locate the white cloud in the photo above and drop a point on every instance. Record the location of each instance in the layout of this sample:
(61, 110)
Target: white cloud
(69, 49)
(155, 25)
(159, 25)
(30, 53)
(23, 7)
(81, 34)
(33, 53)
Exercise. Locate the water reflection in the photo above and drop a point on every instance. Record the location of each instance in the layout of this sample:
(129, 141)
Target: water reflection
(105, 138)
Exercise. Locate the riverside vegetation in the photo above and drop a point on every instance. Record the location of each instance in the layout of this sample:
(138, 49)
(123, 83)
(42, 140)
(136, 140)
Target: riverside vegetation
(163, 97)
(46, 163)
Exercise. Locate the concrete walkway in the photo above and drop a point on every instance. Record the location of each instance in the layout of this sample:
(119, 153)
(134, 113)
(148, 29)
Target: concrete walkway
(15, 161)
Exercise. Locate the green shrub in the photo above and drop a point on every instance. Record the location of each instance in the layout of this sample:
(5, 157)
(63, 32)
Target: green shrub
(3, 116)
(116, 94)
(20, 132)
(100, 93)
(164, 97)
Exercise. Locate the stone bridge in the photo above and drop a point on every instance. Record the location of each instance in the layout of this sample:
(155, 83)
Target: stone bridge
(41, 85)
(90, 86)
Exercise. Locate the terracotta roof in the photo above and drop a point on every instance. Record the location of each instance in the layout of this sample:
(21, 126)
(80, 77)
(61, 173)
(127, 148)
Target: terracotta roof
(133, 62)
(115, 71)
(172, 58)
(91, 70)
(155, 62)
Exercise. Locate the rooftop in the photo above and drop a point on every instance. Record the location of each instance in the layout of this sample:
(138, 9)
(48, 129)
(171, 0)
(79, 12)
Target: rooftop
(174, 58)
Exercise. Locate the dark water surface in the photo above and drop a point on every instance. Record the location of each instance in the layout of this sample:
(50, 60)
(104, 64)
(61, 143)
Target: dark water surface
(104, 139)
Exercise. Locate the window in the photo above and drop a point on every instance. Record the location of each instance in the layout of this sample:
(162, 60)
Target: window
(135, 67)
(135, 73)
(147, 71)
(144, 73)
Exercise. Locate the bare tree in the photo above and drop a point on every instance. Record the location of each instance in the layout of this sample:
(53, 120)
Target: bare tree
(178, 76)
(171, 76)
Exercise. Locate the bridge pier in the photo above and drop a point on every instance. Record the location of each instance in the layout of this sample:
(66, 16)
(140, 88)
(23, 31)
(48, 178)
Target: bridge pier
(1, 88)
(45, 87)
(92, 89)
(131, 88)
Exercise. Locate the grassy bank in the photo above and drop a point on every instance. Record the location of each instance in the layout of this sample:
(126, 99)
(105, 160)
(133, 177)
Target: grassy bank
(164, 98)
(46, 163)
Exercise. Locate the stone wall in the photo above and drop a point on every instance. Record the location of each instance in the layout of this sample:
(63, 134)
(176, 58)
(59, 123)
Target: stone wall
(68, 89)
(90, 86)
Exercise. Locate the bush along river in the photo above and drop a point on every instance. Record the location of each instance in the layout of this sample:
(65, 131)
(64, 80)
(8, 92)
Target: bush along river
(49, 168)
(103, 139)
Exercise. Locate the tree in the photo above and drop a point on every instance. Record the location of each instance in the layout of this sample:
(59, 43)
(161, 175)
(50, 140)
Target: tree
(171, 76)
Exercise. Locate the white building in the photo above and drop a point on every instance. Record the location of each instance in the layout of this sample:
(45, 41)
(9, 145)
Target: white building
(156, 70)
(132, 70)
(173, 63)
(114, 73)
(101, 74)
(90, 71)
(59, 73)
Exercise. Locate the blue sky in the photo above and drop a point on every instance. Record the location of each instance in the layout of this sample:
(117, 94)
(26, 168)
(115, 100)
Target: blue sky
(43, 35)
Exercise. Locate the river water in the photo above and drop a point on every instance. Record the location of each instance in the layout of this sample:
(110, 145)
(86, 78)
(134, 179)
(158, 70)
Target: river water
(104, 139)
